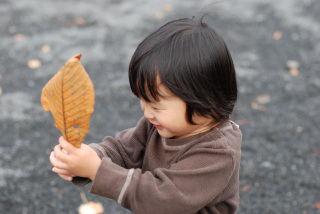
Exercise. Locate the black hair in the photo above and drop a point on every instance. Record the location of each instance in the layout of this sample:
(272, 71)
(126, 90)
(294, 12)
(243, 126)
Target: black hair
(193, 62)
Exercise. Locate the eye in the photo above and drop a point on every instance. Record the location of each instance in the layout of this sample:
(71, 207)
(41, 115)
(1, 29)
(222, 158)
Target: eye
(156, 107)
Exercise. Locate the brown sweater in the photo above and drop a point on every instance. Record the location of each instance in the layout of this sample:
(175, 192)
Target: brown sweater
(148, 174)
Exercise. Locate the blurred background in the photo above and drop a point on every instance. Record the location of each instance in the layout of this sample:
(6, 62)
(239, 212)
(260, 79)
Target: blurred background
(276, 50)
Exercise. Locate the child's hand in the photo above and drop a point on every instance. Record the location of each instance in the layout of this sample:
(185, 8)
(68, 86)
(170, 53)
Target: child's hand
(66, 175)
(82, 162)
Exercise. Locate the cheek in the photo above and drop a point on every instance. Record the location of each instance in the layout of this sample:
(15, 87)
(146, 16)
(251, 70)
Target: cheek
(175, 120)
(142, 105)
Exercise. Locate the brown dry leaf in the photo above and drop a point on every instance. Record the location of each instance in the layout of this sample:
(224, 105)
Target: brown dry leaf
(34, 63)
(254, 105)
(241, 122)
(159, 15)
(262, 108)
(315, 152)
(91, 208)
(317, 206)
(19, 37)
(0, 91)
(168, 8)
(260, 100)
(69, 95)
(46, 48)
(80, 21)
(263, 98)
(294, 71)
(277, 35)
(1, 76)
(245, 188)
(293, 67)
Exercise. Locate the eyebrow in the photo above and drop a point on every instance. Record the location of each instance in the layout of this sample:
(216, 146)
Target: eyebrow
(151, 100)
(158, 94)
(154, 101)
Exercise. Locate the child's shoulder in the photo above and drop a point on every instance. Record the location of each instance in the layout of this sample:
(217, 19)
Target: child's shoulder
(226, 135)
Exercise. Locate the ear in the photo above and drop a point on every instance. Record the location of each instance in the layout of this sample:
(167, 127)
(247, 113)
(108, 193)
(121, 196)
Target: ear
(197, 118)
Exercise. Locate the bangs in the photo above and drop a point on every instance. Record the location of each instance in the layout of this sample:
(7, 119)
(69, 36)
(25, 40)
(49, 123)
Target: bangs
(143, 77)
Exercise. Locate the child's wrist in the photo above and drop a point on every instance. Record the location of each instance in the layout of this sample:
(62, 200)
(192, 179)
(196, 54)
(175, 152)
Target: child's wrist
(95, 169)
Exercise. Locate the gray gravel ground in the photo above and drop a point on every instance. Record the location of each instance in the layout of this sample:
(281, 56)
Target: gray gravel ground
(278, 112)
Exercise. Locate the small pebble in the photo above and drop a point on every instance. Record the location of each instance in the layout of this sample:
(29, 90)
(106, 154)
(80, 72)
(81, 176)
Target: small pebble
(293, 64)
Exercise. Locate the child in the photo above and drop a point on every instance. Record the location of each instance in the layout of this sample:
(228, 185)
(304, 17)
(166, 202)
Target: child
(184, 154)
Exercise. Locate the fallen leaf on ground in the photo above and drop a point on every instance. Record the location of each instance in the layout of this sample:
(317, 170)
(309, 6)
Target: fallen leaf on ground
(241, 122)
(69, 95)
(293, 67)
(317, 206)
(34, 63)
(257, 106)
(263, 98)
(277, 35)
(1, 76)
(315, 152)
(254, 105)
(91, 208)
(159, 15)
(80, 21)
(19, 37)
(74, 22)
(0, 91)
(294, 72)
(46, 48)
(245, 188)
(262, 108)
(168, 8)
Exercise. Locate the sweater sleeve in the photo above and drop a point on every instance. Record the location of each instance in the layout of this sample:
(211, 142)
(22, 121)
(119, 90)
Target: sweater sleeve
(126, 149)
(200, 177)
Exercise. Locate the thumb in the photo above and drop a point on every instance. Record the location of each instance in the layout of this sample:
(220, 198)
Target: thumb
(66, 145)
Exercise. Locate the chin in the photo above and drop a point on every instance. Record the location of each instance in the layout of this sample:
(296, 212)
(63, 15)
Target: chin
(165, 135)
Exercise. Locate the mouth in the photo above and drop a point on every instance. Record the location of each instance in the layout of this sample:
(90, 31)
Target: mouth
(158, 126)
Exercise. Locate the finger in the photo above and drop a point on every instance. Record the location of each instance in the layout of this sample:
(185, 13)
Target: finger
(64, 151)
(51, 158)
(54, 156)
(68, 178)
(62, 172)
(60, 154)
(68, 147)
(57, 148)
(57, 162)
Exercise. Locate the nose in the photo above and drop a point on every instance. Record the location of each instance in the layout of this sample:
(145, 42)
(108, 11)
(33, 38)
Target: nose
(148, 114)
(146, 108)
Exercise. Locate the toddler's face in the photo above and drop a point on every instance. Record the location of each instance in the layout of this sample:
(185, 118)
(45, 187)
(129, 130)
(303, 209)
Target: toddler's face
(168, 115)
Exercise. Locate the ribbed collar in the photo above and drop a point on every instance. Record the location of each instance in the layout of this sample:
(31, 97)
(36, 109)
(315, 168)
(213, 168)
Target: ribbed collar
(176, 144)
